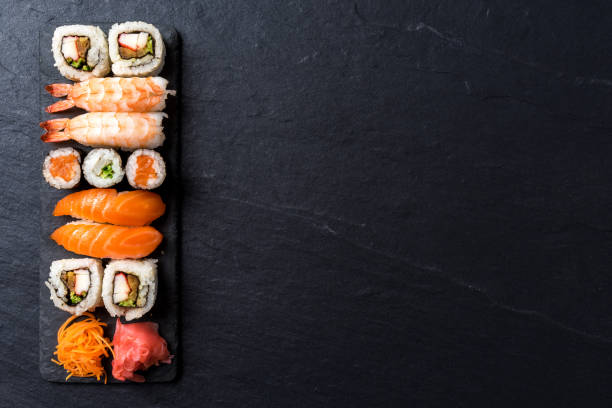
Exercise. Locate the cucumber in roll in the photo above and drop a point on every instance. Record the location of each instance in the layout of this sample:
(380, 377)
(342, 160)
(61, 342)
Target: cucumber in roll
(103, 168)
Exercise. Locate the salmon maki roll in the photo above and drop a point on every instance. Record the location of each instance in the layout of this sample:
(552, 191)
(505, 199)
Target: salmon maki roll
(107, 241)
(145, 169)
(62, 168)
(130, 208)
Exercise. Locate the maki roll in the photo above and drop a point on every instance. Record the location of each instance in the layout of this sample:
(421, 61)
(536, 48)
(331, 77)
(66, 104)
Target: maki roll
(76, 284)
(80, 52)
(103, 168)
(62, 168)
(145, 169)
(136, 49)
(129, 287)
(107, 241)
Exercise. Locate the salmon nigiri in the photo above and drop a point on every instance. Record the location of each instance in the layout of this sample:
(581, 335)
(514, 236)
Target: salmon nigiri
(132, 208)
(107, 241)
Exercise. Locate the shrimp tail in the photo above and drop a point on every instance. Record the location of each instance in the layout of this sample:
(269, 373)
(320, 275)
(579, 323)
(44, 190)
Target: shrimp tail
(58, 90)
(54, 136)
(60, 106)
(54, 124)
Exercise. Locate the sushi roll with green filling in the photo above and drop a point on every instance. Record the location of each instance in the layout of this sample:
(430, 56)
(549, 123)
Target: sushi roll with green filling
(75, 285)
(136, 49)
(129, 287)
(103, 168)
(80, 52)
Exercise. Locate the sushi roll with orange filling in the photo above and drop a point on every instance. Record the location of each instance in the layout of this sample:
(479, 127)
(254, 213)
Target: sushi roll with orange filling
(62, 168)
(145, 169)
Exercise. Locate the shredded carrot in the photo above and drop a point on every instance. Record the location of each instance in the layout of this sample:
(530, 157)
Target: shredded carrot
(80, 347)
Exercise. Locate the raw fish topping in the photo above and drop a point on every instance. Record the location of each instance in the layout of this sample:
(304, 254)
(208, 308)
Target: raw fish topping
(144, 170)
(107, 241)
(63, 166)
(131, 208)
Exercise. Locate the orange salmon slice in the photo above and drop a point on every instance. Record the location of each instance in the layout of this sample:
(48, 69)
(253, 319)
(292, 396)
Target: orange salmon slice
(107, 241)
(105, 205)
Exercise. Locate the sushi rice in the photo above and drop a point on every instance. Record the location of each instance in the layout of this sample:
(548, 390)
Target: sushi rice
(148, 175)
(148, 65)
(146, 272)
(97, 54)
(59, 291)
(103, 168)
(58, 181)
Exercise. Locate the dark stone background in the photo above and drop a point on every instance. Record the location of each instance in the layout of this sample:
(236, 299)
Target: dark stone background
(385, 203)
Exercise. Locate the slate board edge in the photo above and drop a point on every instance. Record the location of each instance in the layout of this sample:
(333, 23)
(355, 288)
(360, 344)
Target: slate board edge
(169, 372)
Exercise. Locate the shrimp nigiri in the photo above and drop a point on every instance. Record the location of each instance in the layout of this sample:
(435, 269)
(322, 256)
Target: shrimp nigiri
(107, 241)
(124, 130)
(112, 95)
(132, 208)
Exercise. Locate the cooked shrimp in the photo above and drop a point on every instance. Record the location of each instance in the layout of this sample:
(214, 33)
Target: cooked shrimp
(127, 131)
(112, 95)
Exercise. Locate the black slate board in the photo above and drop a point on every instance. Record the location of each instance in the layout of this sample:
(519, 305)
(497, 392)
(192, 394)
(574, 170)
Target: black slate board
(165, 310)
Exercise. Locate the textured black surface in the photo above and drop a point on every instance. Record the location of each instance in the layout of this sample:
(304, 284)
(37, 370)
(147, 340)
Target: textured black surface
(165, 310)
(399, 203)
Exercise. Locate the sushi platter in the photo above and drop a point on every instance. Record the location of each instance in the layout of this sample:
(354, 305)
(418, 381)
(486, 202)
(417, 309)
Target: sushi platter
(110, 202)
